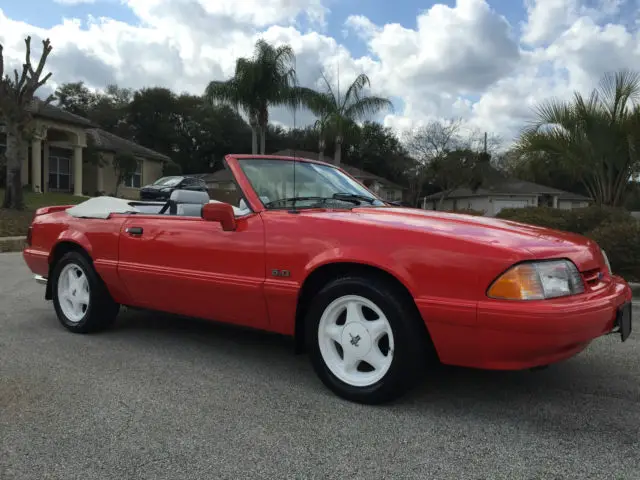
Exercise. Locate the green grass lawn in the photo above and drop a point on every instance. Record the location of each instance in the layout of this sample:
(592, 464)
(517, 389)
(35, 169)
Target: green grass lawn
(13, 223)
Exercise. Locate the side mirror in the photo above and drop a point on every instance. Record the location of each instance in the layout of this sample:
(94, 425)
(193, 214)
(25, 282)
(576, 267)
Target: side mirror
(221, 213)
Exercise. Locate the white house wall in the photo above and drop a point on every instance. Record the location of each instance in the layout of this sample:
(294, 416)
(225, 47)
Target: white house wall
(570, 204)
(511, 201)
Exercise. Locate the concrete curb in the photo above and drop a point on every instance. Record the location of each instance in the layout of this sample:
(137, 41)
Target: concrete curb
(12, 244)
(635, 288)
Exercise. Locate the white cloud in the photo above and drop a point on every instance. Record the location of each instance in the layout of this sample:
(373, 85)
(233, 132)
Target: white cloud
(462, 60)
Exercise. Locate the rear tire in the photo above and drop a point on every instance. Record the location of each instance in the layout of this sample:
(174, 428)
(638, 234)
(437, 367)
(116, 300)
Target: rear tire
(366, 343)
(81, 300)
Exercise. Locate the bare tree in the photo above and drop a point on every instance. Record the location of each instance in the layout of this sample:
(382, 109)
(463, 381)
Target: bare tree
(16, 98)
(433, 140)
(447, 153)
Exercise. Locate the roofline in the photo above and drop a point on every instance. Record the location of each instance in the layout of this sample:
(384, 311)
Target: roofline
(77, 123)
(562, 195)
(158, 158)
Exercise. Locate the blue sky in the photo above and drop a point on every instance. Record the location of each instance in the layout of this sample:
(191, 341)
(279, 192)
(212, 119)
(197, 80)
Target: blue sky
(47, 13)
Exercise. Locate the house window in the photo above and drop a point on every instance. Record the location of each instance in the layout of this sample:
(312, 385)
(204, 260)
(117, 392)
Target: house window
(60, 178)
(135, 180)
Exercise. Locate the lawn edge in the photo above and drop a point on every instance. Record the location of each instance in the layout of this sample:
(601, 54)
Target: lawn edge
(12, 244)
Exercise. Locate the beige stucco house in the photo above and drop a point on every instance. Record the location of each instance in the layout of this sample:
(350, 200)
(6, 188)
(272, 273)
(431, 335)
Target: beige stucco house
(56, 157)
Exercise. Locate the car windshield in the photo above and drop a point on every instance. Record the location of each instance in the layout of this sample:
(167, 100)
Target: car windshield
(167, 181)
(315, 185)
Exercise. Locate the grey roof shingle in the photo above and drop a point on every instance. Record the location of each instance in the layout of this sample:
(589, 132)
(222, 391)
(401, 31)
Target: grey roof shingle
(495, 183)
(38, 108)
(105, 141)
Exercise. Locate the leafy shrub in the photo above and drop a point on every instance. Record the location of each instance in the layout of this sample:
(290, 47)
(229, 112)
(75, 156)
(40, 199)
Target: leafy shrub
(584, 220)
(540, 216)
(621, 241)
(615, 230)
(466, 211)
(579, 220)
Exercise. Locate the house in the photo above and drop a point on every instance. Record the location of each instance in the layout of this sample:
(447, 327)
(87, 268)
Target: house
(500, 192)
(56, 160)
(385, 189)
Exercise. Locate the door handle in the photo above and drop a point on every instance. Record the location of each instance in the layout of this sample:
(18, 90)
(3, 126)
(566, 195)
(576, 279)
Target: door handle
(134, 230)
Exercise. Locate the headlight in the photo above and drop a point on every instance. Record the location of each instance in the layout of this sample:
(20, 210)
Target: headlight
(606, 261)
(538, 281)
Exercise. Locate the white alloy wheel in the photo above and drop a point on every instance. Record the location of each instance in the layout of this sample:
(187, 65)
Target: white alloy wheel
(73, 292)
(356, 340)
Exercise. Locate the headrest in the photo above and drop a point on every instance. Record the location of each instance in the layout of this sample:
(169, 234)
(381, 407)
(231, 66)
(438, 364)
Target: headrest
(189, 196)
(189, 210)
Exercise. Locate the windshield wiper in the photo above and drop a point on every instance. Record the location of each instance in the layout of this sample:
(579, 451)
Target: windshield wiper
(353, 197)
(319, 200)
(294, 200)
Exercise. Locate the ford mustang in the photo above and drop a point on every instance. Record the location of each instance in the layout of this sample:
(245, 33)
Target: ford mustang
(371, 291)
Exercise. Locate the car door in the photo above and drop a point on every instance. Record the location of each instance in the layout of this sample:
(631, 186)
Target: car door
(190, 266)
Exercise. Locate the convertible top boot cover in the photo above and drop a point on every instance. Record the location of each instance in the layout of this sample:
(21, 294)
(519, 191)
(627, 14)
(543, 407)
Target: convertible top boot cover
(101, 207)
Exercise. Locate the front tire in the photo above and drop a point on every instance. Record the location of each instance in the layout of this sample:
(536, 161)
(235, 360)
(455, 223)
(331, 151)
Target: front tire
(366, 342)
(80, 298)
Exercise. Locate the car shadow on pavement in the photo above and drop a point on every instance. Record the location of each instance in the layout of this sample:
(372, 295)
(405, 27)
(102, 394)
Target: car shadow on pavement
(441, 379)
(587, 385)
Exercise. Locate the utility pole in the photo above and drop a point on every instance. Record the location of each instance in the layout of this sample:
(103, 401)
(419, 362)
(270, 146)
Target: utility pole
(485, 142)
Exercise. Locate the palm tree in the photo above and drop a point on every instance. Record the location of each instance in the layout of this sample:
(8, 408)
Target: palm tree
(338, 114)
(265, 80)
(597, 139)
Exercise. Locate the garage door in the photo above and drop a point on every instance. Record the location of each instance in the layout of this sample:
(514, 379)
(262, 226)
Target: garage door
(508, 203)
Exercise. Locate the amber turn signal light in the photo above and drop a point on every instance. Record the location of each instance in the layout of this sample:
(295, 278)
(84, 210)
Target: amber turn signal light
(538, 281)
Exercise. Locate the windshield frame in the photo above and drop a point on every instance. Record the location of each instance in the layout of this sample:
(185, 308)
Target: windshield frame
(241, 161)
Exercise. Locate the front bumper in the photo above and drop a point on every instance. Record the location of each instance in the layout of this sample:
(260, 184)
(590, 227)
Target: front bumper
(515, 335)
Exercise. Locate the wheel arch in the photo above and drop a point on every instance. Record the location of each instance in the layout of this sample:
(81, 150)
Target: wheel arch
(323, 274)
(60, 249)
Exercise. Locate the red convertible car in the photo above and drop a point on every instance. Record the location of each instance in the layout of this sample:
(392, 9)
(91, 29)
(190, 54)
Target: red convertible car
(370, 290)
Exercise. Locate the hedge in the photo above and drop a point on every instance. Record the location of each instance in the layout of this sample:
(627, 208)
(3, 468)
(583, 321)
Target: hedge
(465, 211)
(615, 230)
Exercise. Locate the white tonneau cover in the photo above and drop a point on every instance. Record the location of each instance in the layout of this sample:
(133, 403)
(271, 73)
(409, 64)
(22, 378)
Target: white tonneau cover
(101, 207)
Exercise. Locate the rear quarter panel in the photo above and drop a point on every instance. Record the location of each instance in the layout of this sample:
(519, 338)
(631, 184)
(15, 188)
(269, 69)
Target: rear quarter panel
(98, 237)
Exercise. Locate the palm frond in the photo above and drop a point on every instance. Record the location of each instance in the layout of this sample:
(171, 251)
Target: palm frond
(366, 106)
(354, 92)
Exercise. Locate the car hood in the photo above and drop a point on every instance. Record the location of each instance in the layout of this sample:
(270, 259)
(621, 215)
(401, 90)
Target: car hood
(537, 242)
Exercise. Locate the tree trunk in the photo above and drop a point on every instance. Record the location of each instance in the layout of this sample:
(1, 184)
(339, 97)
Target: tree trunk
(254, 140)
(338, 155)
(263, 139)
(321, 145)
(16, 151)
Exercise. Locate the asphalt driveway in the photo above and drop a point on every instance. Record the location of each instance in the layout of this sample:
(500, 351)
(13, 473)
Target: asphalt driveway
(163, 397)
